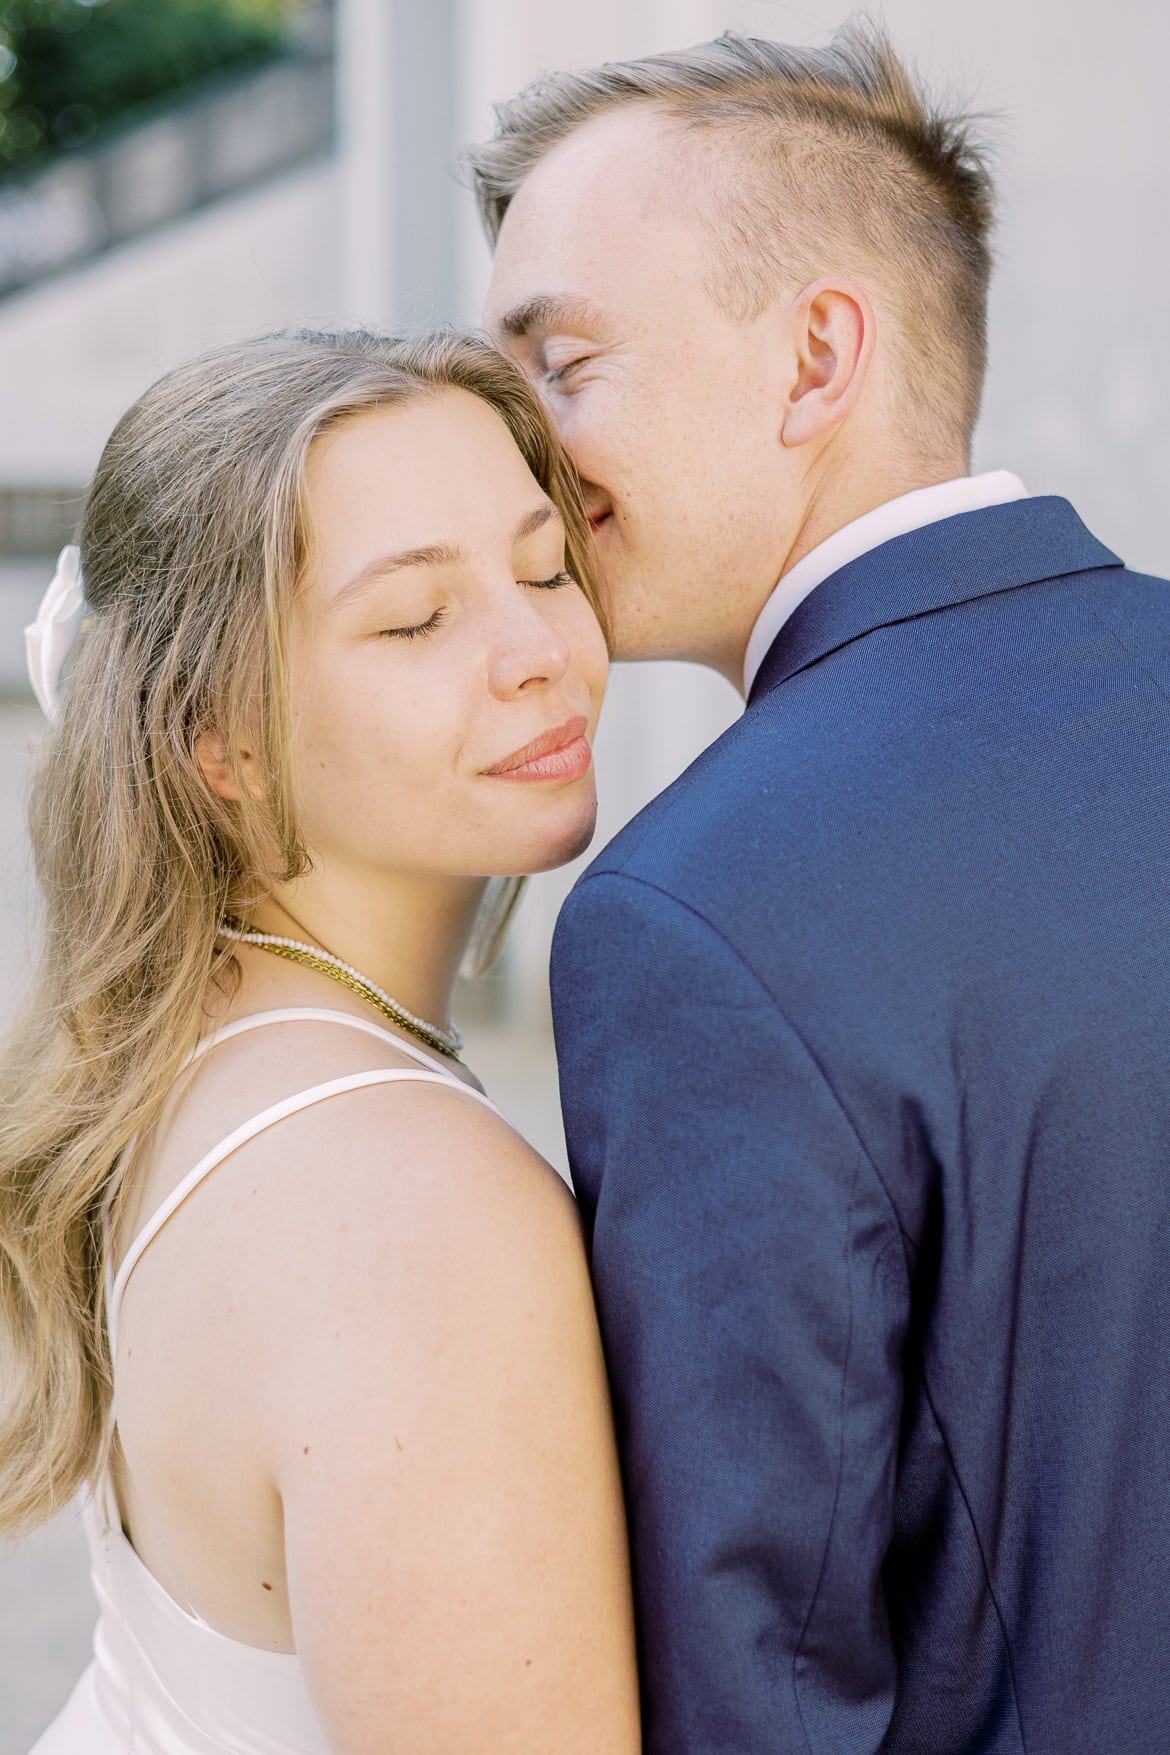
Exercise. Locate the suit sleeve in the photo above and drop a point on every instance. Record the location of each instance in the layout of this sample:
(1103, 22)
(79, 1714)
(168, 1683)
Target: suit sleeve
(752, 1291)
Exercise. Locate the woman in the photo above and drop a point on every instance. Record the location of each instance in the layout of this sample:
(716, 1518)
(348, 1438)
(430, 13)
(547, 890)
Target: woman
(359, 1493)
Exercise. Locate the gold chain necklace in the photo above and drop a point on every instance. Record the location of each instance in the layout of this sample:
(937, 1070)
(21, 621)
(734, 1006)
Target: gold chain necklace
(448, 1041)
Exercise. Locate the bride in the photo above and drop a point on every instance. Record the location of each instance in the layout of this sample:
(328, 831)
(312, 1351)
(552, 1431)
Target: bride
(341, 665)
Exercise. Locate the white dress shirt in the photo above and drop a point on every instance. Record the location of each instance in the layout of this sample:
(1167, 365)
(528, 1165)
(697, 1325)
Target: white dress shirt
(928, 505)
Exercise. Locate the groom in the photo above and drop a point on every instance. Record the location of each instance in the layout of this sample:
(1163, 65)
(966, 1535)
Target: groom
(864, 1025)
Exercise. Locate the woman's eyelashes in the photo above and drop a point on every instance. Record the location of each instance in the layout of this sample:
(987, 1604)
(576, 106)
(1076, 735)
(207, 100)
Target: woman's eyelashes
(558, 579)
(564, 577)
(416, 633)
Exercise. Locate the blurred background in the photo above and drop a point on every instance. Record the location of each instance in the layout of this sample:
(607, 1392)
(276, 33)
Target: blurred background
(177, 173)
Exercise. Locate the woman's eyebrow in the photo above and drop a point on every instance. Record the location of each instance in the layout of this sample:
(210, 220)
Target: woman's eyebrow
(536, 520)
(435, 554)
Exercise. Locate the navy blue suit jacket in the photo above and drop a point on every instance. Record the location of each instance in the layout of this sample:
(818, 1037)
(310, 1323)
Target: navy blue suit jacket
(864, 1035)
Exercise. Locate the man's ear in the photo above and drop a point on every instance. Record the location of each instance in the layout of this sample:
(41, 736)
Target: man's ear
(833, 332)
(212, 757)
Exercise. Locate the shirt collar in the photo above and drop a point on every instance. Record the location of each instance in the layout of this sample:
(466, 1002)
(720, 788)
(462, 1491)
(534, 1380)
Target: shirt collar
(928, 505)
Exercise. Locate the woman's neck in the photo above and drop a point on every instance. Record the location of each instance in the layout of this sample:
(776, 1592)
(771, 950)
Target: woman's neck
(406, 933)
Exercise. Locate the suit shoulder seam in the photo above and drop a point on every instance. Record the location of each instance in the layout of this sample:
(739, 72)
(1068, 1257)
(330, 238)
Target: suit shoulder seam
(777, 1005)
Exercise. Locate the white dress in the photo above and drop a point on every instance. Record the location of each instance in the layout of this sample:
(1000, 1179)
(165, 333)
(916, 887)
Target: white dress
(162, 1681)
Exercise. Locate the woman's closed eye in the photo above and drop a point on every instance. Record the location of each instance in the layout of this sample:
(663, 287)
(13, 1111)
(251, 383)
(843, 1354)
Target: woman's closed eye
(416, 633)
(553, 584)
(421, 629)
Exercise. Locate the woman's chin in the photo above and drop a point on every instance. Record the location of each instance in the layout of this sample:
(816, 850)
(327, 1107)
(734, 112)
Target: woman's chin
(554, 850)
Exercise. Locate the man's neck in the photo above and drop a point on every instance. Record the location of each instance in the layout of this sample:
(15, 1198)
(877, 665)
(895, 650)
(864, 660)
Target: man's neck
(830, 499)
(834, 504)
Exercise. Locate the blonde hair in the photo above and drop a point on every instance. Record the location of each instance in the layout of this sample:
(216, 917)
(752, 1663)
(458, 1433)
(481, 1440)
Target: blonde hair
(193, 542)
(803, 162)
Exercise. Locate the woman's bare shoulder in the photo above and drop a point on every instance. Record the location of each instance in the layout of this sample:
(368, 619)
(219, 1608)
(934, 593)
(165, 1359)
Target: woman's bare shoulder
(379, 1195)
(413, 1134)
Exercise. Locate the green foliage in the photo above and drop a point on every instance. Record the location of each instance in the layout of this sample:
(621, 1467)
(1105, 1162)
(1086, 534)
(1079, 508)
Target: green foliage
(68, 66)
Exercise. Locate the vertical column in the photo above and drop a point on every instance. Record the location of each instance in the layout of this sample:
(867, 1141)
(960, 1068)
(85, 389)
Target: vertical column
(397, 66)
(365, 62)
(424, 124)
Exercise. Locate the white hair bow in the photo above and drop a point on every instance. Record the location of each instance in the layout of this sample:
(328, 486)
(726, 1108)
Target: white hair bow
(48, 639)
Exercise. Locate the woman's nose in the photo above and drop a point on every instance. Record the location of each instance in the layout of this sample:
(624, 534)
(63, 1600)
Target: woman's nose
(528, 651)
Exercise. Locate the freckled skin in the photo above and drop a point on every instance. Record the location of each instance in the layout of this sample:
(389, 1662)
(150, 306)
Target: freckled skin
(399, 730)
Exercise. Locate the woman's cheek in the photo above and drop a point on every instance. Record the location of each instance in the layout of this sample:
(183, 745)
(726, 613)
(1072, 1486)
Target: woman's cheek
(587, 641)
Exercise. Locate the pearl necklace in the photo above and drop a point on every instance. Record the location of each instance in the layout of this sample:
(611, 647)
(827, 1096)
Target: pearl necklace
(448, 1041)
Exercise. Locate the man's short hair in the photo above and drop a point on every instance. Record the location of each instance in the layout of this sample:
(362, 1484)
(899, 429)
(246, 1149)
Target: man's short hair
(804, 162)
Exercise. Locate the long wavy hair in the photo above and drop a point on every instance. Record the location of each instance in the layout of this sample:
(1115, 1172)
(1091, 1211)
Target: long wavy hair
(193, 542)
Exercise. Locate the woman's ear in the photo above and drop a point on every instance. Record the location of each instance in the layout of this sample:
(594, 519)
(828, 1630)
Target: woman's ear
(833, 336)
(212, 757)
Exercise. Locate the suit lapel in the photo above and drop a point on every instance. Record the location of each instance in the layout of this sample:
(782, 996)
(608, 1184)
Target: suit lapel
(975, 554)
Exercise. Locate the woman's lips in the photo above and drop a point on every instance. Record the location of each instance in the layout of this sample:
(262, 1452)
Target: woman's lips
(569, 763)
(560, 754)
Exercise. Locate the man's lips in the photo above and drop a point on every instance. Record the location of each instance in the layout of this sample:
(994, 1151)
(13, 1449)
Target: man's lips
(560, 754)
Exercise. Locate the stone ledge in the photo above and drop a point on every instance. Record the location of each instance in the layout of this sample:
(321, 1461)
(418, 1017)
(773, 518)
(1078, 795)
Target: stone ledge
(233, 131)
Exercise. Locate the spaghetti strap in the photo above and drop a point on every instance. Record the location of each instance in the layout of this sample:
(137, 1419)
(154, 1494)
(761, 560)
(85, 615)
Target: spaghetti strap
(248, 1130)
(311, 1014)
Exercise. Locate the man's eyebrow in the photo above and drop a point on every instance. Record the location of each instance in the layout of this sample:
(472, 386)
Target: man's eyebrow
(435, 554)
(548, 311)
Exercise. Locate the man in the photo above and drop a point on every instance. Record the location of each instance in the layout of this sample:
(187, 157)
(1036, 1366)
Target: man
(864, 1025)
